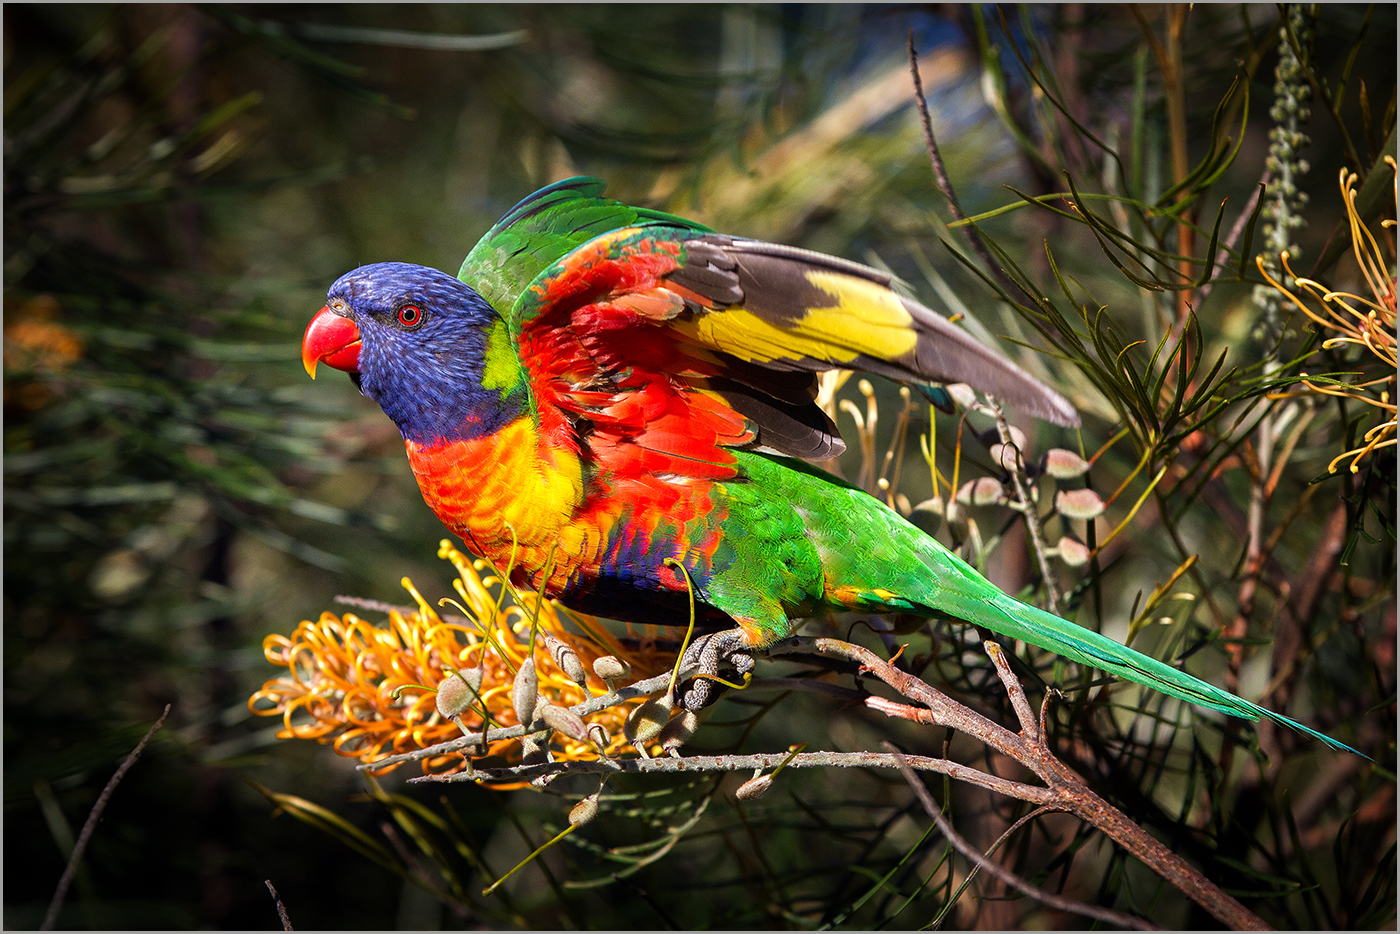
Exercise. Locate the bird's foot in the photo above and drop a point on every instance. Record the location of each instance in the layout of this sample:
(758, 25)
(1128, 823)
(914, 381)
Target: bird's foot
(710, 653)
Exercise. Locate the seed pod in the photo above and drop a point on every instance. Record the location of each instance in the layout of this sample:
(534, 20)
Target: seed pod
(473, 675)
(677, 731)
(564, 721)
(584, 811)
(525, 692)
(611, 669)
(928, 514)
(566, 658)
(933, 505)
(1079, 504)
(1017, 437)
(1064, 465)
(532, 752)
(986, 491)
(453, 697)
(1005, 456)
(755, 787)
(645, 723)
(1072, 552)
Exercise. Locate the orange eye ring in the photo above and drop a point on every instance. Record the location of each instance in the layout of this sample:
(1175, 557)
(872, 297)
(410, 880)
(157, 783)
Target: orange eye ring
(410, 316)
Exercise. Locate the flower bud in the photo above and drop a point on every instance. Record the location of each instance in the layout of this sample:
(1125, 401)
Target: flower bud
(453, 697)
(645, 723)
(986, 491)
(564, 721)
(584, 811)
(1072, 552)
(525, 692)
(1006, 456)
(677, 731)
(755, 787)
(598, 736)
(933, 505)
(566, 658)
(611, 669)
(532, 752)
(1064, 465)
(962, 394)
(1079, 504)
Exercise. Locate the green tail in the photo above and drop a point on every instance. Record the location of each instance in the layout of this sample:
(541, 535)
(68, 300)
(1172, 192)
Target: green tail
(864, 556)
(1000, 613)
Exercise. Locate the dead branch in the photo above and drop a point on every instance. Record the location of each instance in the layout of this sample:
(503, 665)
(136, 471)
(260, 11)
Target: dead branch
(83, 837)
(1068, 790)
(940, 177)
(945, 827)
(1064, 790)
(281, 909)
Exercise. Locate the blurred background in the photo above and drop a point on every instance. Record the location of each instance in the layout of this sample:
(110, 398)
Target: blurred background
(182, 183)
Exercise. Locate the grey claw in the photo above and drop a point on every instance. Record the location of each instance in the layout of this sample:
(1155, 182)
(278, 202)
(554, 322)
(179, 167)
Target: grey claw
(709, 654)
(695, 694)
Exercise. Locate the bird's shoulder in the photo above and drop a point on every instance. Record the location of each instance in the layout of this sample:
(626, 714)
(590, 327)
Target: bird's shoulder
(544, 227)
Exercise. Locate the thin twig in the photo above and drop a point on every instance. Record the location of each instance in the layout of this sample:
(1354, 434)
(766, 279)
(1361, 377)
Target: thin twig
(281, 909)
(1029, 728)
(645, 896)
(940, 177)
(83, 837)
(1052, 589)
(1107, 915)
(1006, 835)
(416, 869)
(592, 705)
(741, 763)
(1301, 606)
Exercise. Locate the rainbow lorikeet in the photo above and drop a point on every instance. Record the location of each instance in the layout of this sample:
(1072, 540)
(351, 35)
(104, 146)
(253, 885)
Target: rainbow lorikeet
(606, 392)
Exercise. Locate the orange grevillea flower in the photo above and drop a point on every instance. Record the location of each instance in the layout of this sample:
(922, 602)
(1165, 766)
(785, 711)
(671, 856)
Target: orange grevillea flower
(371, 690)
(1365, 321)
(35, 340)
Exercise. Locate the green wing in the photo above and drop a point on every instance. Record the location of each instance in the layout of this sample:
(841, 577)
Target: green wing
(544, 228)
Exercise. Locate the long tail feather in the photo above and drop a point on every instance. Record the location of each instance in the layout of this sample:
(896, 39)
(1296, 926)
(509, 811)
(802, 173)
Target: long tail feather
(1010, 617)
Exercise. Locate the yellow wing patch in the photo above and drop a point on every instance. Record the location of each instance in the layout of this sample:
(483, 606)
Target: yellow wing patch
(864, 319)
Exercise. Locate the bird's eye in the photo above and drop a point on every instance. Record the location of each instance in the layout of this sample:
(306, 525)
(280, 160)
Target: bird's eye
(410, 316)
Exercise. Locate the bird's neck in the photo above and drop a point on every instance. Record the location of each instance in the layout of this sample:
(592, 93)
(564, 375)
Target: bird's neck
(515, 488)
(469, 388)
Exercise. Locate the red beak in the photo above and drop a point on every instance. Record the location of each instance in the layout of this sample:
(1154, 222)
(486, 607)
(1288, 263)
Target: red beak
(331, 339)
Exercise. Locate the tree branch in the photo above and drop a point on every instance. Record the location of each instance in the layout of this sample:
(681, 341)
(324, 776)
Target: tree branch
(93, 816)
(1106, 915)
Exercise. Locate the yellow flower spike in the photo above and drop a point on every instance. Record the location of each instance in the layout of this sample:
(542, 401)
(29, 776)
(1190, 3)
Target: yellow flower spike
(469, 584)
(423, 606)
(345, 680)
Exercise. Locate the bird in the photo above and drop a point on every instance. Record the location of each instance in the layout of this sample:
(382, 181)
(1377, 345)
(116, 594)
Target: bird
(618, 405)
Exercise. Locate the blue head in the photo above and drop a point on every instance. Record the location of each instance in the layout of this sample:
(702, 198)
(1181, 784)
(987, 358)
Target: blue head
(432, 352)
